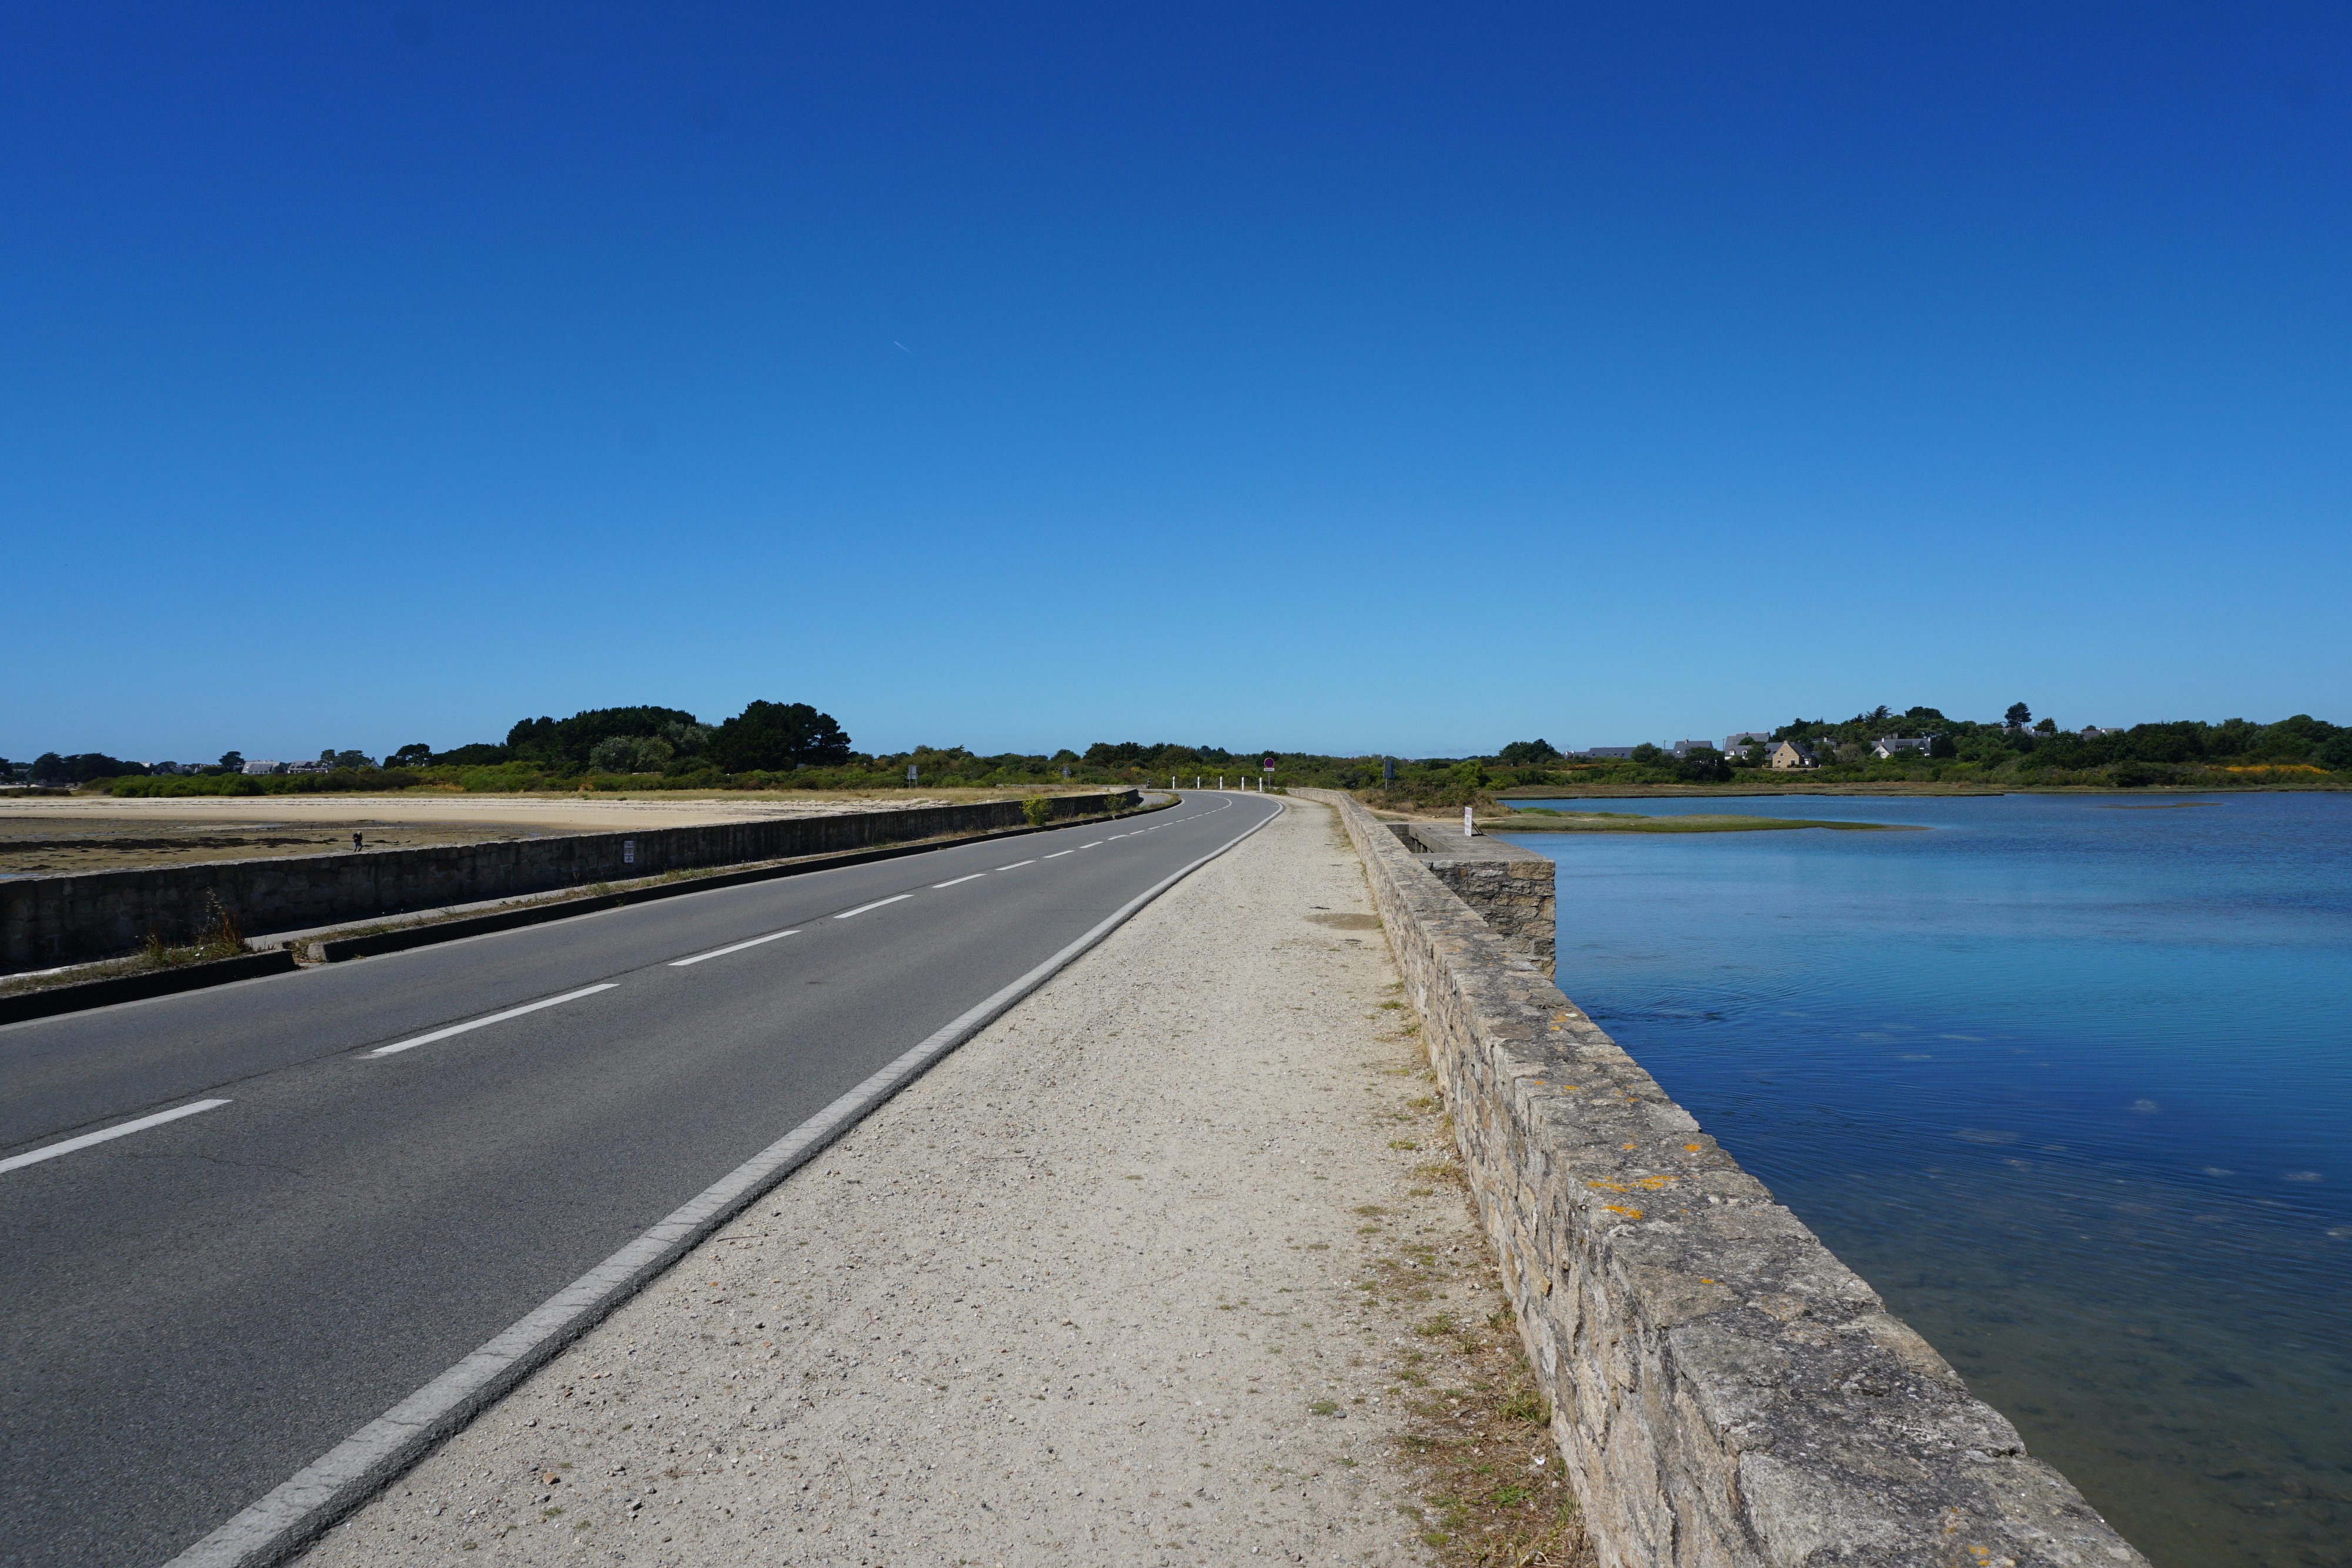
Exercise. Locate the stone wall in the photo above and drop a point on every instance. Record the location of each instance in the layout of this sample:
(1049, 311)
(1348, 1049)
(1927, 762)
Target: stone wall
(1726, 1393)
(1510, 888)
(62, 919)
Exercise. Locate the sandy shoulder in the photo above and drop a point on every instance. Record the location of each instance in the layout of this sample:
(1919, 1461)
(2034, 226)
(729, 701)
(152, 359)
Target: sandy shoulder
(1089, 1292)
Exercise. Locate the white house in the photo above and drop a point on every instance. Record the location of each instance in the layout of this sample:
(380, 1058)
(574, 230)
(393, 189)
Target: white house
(1892, 745)
(1746, 737)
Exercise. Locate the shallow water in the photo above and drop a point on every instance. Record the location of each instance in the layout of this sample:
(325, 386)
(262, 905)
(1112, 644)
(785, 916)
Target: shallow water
(2070, 1084)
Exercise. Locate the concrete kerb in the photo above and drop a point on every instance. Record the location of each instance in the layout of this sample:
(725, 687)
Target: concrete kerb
(297, 1512)
(1726, 1393)
(20, 1006)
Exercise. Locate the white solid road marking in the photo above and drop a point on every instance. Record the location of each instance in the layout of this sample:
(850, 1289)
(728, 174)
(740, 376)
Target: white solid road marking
(876, 904)
(952, 881)
(494, 1017)
(1058, 854)
(735, 947)
(303, 1505)
(1017, 865)
(86, 1139)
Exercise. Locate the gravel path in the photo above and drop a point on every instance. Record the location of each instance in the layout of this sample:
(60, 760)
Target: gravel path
(1086, 1294)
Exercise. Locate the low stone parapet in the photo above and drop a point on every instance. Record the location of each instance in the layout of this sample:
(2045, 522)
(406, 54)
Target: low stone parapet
(1726, 1393)
(1510, 888)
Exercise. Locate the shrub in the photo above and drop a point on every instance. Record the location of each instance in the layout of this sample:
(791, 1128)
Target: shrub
(1038, 809)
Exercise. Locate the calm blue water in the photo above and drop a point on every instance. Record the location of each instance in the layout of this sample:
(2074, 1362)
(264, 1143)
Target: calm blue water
(2068, 1080)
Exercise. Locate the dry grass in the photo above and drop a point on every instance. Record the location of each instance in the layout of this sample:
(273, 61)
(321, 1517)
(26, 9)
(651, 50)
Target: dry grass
(1492, 1491)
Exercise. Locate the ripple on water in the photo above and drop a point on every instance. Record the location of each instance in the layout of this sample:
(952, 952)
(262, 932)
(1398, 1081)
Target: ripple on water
(2112, 1193)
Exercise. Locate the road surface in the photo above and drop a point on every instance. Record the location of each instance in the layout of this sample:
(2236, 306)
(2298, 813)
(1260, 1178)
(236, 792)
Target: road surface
(338, 1182)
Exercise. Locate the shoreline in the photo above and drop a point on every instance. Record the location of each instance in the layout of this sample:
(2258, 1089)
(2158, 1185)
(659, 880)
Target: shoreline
(1893, 790)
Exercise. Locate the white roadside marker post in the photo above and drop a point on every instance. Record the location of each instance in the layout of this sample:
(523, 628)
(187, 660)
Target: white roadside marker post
(1467, 830)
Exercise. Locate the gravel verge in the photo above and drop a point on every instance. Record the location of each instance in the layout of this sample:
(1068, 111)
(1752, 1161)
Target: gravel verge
(1100, 1287)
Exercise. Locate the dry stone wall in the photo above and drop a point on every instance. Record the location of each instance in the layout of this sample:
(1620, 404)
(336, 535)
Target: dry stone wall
(1727, 1394)
(1510, 888)
(61, 919)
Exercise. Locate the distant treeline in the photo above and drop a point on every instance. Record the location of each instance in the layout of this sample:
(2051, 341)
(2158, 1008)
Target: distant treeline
(792, 744)
(2013, 752)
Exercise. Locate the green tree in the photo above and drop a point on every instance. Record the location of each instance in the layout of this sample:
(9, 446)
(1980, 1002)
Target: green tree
(1702, 764)
(687, 739)
(233, 761)
(2018, 717)
(768, 735)
(1646, 754)
(417, 756)
(561, 742)
(1522, 753)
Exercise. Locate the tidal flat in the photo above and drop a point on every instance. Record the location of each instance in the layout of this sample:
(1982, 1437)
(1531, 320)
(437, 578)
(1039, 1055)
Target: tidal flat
(1548, 819)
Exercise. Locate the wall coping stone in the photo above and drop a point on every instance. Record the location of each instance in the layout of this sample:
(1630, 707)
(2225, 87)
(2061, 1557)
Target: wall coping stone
(1726, 1393)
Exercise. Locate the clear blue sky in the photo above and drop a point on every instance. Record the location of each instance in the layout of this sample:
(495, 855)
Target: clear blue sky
(1344, 377)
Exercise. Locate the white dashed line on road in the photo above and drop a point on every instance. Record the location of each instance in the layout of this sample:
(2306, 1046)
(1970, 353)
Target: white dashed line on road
(952, 881)
(494, 1017)
(37, 1155)
(1016, 864)
(1058, 854)
(732, 947)
(876, 904)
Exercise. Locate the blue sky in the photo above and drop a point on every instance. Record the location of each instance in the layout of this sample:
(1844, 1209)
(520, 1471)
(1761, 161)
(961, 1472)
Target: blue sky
(1348, 378)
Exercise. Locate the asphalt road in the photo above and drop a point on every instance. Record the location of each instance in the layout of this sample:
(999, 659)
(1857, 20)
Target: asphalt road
(196, 1309)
